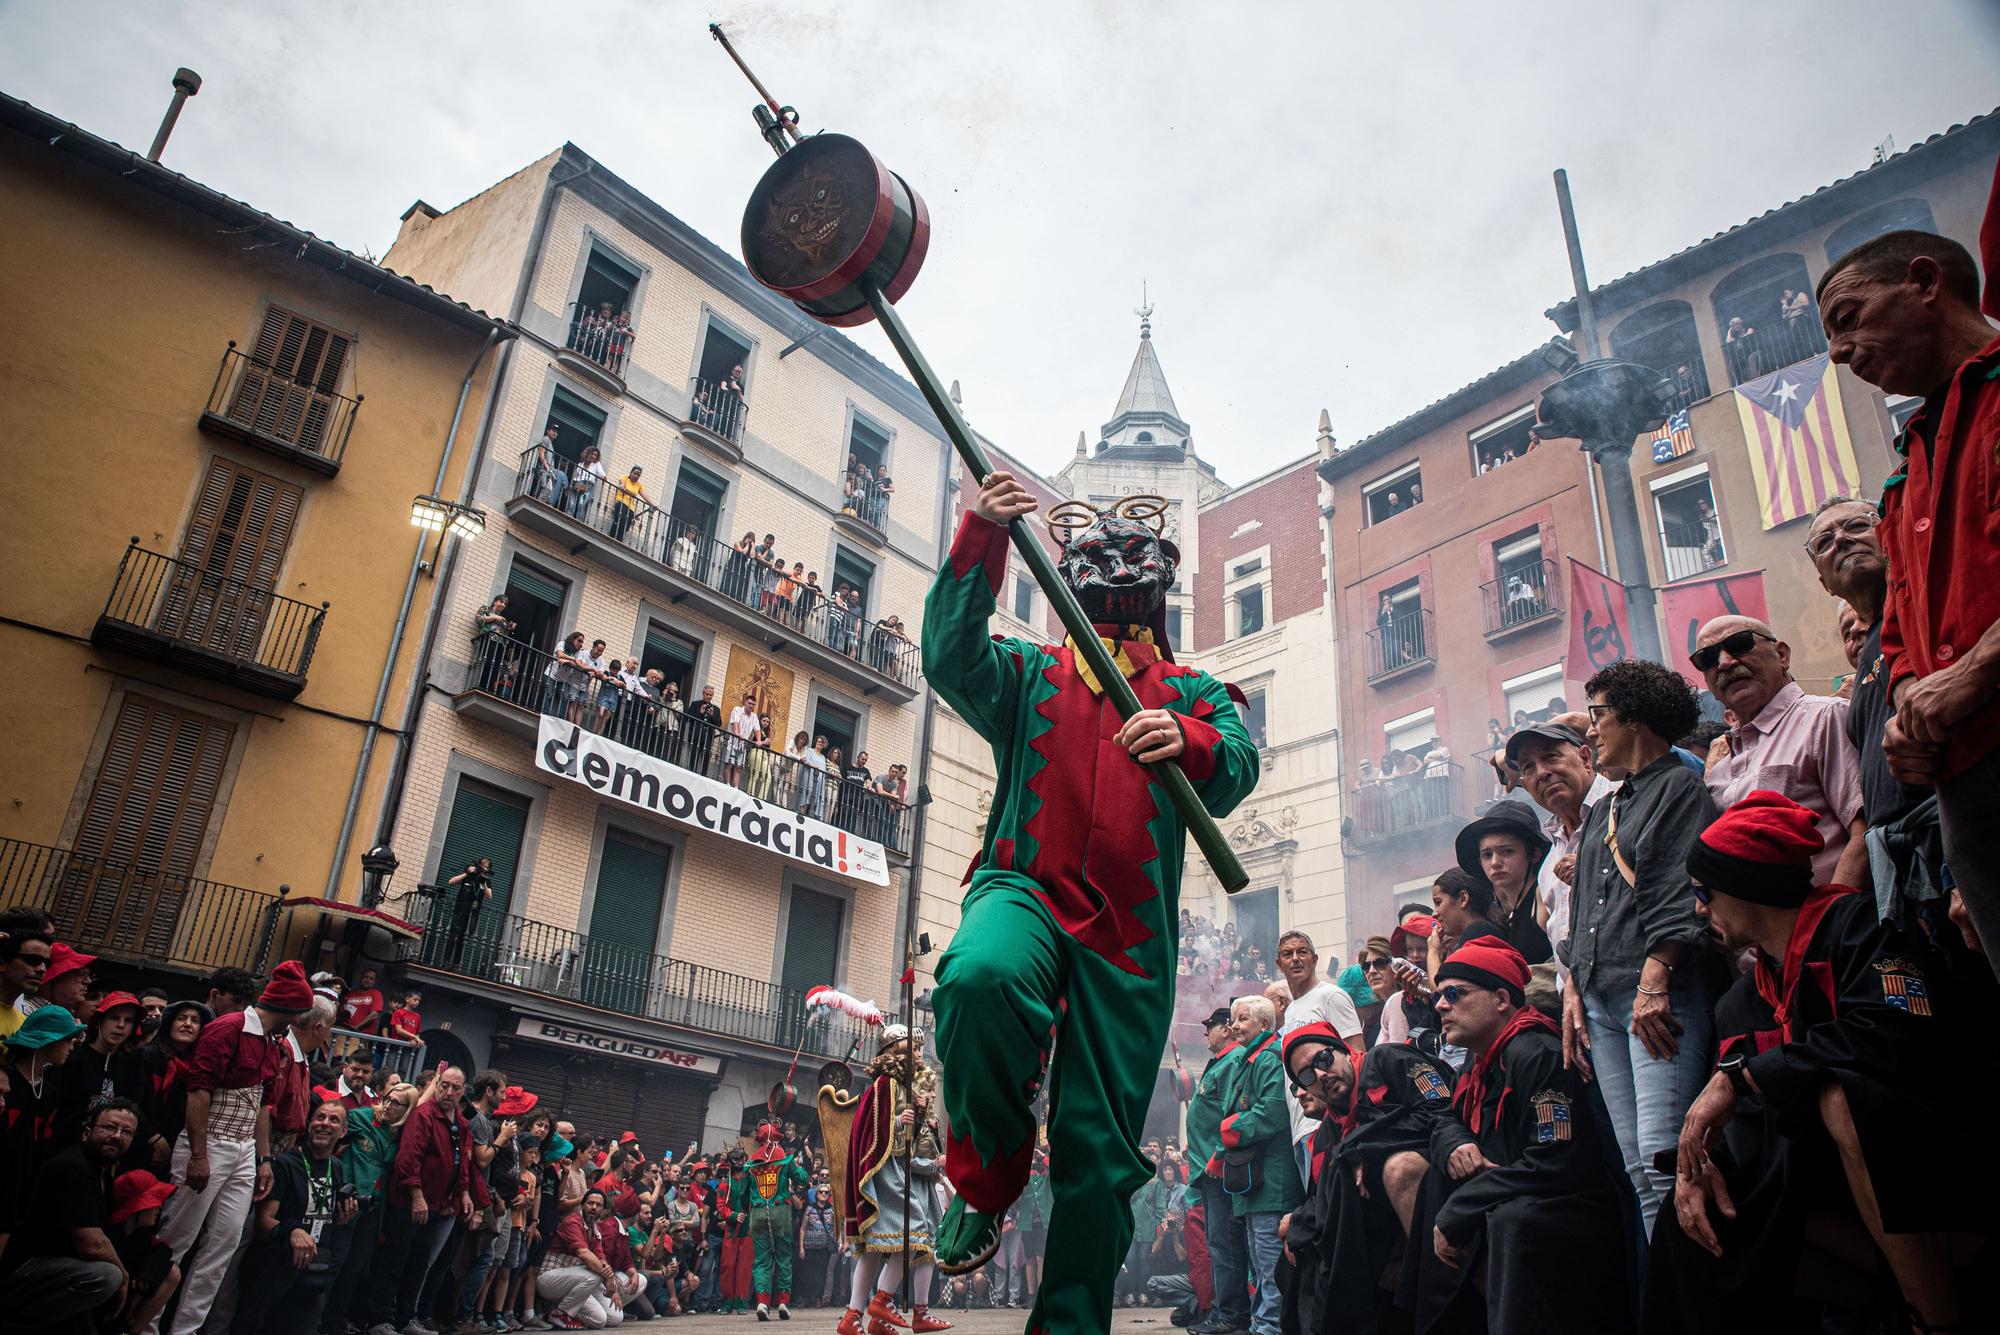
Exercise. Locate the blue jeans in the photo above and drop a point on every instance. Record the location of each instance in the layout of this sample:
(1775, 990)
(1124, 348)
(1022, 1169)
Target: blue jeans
(1265, 1250)
(1228, 1255)
(475, 1275)
(710, 1291)
(1647, 1098)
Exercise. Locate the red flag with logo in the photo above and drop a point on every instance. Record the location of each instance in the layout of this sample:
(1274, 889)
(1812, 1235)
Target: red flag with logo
(1691, 602)
(1600, 632)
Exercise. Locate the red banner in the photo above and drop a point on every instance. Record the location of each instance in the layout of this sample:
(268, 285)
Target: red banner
(1600, 632)
(1692, 602)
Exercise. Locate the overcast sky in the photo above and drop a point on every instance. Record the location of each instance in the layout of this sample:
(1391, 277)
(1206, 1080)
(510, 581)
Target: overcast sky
(1339, 205)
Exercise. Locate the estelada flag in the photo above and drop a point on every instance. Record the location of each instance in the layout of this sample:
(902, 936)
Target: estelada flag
(1600, 630)
(1796, 433)
(1691, 602)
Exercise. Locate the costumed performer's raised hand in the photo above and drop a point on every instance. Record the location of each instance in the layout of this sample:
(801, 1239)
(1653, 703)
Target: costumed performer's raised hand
(1002, 499)
(1151, 735)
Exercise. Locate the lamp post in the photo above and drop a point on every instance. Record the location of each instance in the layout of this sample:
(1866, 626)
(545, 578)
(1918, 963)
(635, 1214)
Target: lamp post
(378, 864)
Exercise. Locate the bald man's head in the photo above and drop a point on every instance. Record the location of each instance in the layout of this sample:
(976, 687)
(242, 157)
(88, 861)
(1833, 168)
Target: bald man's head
(1744, 663)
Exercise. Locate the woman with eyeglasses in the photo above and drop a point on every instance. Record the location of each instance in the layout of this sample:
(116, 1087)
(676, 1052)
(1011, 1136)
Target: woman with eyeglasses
(1637, 1011)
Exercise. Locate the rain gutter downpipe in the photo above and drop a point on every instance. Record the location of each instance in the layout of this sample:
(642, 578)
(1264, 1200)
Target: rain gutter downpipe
(493, 336)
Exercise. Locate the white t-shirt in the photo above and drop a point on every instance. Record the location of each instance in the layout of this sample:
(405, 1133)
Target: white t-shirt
(743, 722)
(1324, 1001)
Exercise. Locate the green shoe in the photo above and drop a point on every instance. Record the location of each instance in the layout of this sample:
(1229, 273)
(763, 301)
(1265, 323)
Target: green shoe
(966, 1239)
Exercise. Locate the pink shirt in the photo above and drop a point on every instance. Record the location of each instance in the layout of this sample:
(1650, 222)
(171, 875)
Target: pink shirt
(1797, 745)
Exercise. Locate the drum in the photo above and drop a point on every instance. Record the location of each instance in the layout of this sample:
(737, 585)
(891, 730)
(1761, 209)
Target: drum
(827, 220)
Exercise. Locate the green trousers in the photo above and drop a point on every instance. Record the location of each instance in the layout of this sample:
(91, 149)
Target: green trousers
(771, 1266)
(1011, 983)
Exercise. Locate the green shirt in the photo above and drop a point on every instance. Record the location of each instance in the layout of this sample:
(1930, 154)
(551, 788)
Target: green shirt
(1205, 1110)
(1257, 1118)
(371, 1149)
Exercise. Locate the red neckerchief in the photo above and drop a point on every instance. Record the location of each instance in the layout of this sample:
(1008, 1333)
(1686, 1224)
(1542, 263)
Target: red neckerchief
(1471, 1095)
(1777, 988)
(1347, 1119)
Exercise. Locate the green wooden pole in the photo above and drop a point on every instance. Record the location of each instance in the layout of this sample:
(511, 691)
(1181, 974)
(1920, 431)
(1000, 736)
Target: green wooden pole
(1207, 835)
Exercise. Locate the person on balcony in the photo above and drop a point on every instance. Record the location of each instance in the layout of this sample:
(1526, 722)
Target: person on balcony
(743, 725)
(490, 632)
(760, 776)
(1739, 347)
(1385, 634)
(548, 478)
(627, 499)
(621, 342)
(585, 481)
(567, 681)
(809, 772)
(878, 505)
(471, 892)
(682, 553)
(739, 579)
(704, 724)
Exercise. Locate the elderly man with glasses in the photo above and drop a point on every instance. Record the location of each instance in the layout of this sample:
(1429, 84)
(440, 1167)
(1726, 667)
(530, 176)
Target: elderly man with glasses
(1784, 741)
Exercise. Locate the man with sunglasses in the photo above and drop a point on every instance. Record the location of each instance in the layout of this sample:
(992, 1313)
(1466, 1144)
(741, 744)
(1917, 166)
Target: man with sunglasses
(1368, 1165)
(1527, 1190)
(1814, 1107)
(1906, 313)
(1784, 741)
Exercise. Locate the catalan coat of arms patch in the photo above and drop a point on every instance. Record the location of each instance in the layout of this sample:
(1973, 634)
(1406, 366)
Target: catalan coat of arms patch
(1552, 1117)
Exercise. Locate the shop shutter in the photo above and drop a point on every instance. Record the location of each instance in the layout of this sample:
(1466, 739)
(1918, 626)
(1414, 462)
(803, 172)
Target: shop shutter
(142, 827)
(605, 1096)
(485, 822)
(618, 963)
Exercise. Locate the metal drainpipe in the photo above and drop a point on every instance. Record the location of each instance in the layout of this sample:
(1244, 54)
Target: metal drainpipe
(913, 883)
(405, 744)
(396, 638)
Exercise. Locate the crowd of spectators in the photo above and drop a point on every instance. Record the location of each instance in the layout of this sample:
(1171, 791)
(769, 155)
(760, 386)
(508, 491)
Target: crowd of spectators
(640, 708)
(1756, 346)
(603, 337)
(865, 493)
(240, 1163)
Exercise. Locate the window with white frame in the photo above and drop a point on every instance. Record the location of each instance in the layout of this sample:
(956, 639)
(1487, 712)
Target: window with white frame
(1533, 697)
(1689, 525)
(1247, 593)
(1023, 602)
(1411, 733)
(1387, 497)
(1503, 441)
(1256, 714)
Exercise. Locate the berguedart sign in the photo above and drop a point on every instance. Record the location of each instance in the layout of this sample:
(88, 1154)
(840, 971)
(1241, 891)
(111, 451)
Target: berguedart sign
(639, 780)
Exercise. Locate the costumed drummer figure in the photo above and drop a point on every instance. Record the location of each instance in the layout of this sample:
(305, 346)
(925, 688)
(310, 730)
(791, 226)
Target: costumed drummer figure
(884, 1151)
(1072, 910)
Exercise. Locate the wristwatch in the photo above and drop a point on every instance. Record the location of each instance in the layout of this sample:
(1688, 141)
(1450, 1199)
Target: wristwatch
(1736, 1067)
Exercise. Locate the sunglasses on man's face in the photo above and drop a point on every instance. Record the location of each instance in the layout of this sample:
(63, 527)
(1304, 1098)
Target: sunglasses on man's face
(1453, 993)
(1317, 1065)
(1739, 644)
(1701, 893)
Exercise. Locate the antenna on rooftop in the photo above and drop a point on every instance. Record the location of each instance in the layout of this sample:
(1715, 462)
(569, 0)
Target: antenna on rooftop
(1885, 150)
(186, 84)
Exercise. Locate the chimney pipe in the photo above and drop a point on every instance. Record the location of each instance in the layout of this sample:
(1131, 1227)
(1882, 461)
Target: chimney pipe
(186, 84)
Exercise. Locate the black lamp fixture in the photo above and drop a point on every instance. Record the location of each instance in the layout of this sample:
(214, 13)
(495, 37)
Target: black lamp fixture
(378, 864)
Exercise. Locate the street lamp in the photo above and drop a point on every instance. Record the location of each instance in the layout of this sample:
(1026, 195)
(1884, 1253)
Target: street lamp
(445, 518)
(378, 864)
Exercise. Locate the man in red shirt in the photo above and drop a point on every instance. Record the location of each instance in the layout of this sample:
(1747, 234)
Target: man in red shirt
(223, 1156)
(361, 1009)
(1904, 312)
(433, 1184)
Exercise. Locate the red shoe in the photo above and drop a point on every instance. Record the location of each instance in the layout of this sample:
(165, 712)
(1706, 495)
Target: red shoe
(850, 1323)
(882, 1309)
(922, 1320)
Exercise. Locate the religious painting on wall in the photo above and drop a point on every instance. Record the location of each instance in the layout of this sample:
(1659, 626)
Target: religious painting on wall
(752, 673)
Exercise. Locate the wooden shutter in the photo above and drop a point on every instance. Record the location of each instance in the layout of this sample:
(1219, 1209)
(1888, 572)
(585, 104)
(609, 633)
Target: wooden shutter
(232, 552)
(294, 365)
(618, 964)
(142, 828)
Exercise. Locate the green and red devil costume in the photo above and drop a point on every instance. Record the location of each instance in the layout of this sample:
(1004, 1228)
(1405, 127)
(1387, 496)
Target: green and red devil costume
(1072, 909)
(776, 1179)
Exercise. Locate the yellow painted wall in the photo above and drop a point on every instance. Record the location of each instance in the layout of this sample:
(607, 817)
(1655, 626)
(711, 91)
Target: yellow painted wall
(115, 333)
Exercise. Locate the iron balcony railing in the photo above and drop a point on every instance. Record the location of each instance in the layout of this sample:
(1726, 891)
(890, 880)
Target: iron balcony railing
(1404, 804)
(1689, 381)
(385, 1054)
(190, 611)
(112, 908)
(558, 686)
(1773, 344)
(520, 952)
(1400, 641)
(276, 409)
(600, 337)
(1691, 549)
(734, 572)
(717, 406)
(1522, 595)
(865, 496)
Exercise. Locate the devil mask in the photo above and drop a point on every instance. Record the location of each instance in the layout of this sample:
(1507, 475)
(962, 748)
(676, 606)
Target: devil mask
(1119, 569)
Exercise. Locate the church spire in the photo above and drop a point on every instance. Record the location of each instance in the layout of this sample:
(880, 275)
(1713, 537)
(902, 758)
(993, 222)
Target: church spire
(1146, 415)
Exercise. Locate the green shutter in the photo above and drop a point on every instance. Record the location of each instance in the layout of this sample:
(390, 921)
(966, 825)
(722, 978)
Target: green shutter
(489, 823)
(624, 919)
(535, 584)
(812, 940)
(668, 646)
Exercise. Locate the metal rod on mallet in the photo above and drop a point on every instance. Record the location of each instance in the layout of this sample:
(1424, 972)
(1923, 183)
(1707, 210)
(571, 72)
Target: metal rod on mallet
(1201, 826)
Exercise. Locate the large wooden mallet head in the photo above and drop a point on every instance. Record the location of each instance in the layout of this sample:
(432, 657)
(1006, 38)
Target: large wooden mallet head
(829, 219)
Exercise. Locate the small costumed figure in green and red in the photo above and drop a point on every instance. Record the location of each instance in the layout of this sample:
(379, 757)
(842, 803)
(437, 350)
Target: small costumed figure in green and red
(775, 1180)
(1071, 921)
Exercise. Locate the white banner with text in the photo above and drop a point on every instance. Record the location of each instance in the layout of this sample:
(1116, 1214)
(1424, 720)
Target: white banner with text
(639, 780)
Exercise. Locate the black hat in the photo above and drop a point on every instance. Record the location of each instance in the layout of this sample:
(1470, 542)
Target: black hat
(1553, 732)
(1220, 1015)
(1505, 817)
